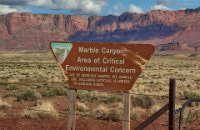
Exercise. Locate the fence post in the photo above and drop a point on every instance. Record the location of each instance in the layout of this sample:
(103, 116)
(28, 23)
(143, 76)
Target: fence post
(172, 85)
(170, 106)
(72, 109)
(126, 111)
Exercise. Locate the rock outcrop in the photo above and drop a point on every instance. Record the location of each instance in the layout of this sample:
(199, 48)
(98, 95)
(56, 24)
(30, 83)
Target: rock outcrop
(167, 30)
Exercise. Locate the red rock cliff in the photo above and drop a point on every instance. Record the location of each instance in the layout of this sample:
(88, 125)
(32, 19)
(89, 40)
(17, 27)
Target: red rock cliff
(178, 30)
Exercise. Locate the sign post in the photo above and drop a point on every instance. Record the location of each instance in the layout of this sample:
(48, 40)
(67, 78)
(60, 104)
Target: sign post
(126, 111)
(72, 109)
(101, 66)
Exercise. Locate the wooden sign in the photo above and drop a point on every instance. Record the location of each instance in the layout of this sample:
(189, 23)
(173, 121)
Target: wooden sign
(101, 66)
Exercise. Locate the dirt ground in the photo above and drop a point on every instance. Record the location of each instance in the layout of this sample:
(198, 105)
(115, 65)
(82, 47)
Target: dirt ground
(13, 121)
(81, 124)
(32, 69)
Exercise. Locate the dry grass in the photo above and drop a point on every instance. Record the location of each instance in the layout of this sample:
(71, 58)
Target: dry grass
(105, 113)
(40, 72)
(45, 110)
(4, 104)
(2, 114)
(82, 107)
(191, 114)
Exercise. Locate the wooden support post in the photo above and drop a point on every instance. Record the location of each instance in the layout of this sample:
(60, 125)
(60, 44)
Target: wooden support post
(172, 85)
(170, 106)
(126, 111)
(152, 118)
(72, 109)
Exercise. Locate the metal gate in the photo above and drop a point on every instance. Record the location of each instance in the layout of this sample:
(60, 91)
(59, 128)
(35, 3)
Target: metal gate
(185, 105)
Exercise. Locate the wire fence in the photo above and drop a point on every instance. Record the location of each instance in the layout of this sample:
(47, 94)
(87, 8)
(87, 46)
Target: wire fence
(30, 124)
(64, 114)
(191, 118)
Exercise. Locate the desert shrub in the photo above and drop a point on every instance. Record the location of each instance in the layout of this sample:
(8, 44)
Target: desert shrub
(11, 94)
(104, 113)
(191, 95)
(81, 107)
(112, 114)
(3, 83)
(4, 104)
(11, 87)
(45, 110)
(191, 116)
(194, 55)
(109, 99)
(2, 114)
(145, 102)
(50, 92)
(28, 95)
(135, 116)
(86, 96)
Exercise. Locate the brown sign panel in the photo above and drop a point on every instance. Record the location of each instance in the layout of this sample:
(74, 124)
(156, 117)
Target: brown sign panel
(101, 66)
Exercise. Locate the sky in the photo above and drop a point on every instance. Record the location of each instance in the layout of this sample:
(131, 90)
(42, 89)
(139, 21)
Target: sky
(94, 7)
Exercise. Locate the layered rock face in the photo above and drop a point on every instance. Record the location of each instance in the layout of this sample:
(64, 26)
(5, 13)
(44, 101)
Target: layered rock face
(167, 30)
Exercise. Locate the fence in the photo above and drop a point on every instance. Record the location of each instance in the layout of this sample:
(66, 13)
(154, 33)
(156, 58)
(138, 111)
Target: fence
(64, 115)
(192, 116)
(61, 124)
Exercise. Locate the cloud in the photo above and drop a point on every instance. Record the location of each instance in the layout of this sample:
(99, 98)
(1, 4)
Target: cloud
(160, 7)
(163, 2)
(14, 2)
(5, 9)
(117, 9)
(84, 6)
(135, 9)
(182, 8)
(118, 6)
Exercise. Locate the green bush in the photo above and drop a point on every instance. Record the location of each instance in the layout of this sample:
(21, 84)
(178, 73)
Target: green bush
(109, 99)
(113, 114)
(194, 55)
(91, 96)
(11, 94)
(11, 87)
(192, 116)
(28, 95)
(86, 96)
(3, 83)
(50, 92)
(191, 95)
(135, 116)
(145, 102)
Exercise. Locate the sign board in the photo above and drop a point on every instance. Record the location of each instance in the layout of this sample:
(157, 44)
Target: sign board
(101, 66)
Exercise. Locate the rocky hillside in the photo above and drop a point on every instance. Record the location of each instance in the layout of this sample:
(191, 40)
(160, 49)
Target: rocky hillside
(167, 30)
